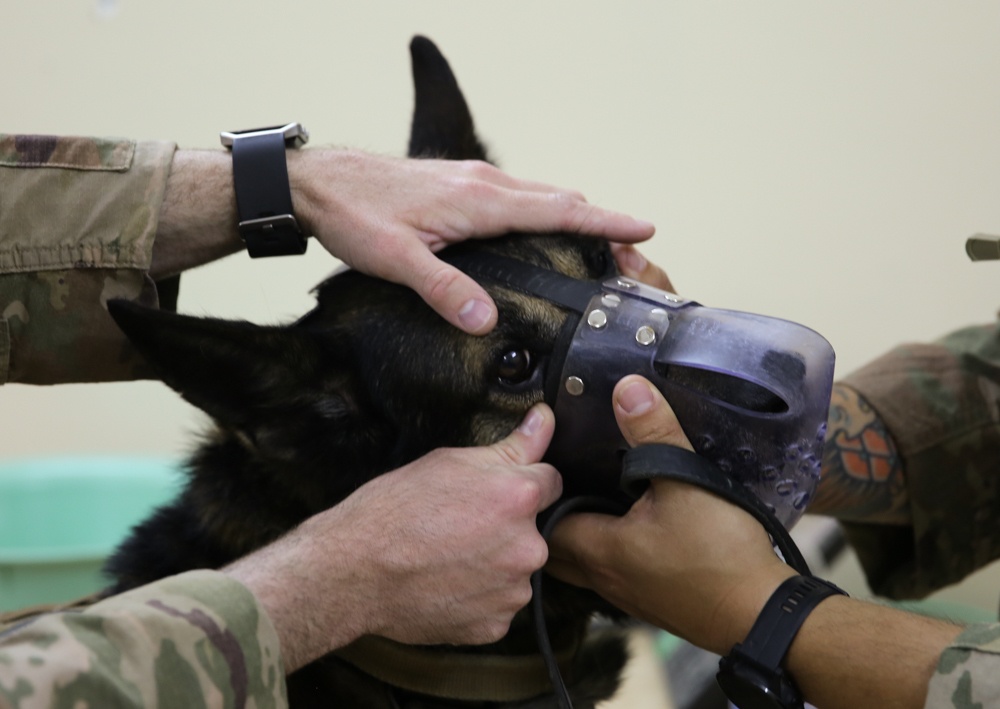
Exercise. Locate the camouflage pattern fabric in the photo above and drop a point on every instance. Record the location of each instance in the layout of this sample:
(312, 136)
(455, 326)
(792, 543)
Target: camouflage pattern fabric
(968, 673)
(941, 402)
(77, 221)
(194, 640)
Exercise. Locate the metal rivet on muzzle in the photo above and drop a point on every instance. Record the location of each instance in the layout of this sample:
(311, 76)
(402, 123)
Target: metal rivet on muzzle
(645, 335)
(574, 385)
(597, 319)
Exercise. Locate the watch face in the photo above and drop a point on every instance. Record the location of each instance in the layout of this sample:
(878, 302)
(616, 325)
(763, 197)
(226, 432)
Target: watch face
(748, 696)
(751, 675)
(749, 689)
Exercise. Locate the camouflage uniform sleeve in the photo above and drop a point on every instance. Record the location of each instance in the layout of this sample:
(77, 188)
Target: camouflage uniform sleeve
(941, 404)
(77, 221)
(968, 673)
(194, 640)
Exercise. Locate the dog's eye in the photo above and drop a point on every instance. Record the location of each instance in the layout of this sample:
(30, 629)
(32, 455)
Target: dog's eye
(515, 366)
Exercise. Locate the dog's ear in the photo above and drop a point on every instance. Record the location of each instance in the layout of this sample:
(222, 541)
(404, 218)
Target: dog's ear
(442, 124)
(234, 371)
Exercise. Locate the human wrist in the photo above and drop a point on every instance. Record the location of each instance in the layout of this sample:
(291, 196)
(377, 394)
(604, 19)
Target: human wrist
(314, 606)
(754, 673)
(738, 609)
(197, 219)
(313, 174)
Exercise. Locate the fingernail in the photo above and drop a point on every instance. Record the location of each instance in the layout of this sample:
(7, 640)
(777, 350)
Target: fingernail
(532, 422)
(634, 261)
(474, 315)
(635, 399)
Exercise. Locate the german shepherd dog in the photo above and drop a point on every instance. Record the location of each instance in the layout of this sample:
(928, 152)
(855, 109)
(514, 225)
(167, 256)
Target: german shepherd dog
(366, 382)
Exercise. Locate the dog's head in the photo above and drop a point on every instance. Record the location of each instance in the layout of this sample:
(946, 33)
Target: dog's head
(372, 378)
(369, 380)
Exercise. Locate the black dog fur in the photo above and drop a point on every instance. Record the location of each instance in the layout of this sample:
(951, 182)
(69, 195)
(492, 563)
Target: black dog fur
(369, 380)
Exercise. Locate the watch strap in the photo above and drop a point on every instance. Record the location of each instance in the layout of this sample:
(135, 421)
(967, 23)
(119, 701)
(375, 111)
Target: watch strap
(751, 675)
(267, 221)
(659, 460)
(784, 613)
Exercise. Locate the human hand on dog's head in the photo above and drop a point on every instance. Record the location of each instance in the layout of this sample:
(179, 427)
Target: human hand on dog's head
(438, 551)
(681, 558)
(387, 216)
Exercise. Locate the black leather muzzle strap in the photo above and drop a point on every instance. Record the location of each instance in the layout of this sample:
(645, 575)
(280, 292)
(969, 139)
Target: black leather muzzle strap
(644, 463)
(527, 278)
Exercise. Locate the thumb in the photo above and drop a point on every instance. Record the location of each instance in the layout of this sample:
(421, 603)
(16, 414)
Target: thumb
(528, 442)
(644, 416)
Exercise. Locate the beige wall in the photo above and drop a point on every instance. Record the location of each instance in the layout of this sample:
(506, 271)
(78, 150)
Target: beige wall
(822, 164)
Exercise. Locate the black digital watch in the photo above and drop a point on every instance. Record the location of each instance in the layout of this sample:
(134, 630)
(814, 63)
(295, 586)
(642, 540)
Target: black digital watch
(751, 676)
(267, 223)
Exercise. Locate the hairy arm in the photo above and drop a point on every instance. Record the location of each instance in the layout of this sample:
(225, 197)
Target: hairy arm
(383, 216)
(197, 222)
(852, 653)
(863, 477)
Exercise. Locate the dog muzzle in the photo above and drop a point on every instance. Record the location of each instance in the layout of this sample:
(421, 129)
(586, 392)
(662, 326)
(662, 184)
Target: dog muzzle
(751, 392)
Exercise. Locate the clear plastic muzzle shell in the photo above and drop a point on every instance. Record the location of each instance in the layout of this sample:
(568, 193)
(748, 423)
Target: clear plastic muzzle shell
(751, 392)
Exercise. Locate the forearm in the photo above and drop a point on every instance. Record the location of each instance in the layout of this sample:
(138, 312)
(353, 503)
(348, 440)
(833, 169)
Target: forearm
(848, 653)
(198, 222)
(283, 578)
(852, 653)
(863, 477)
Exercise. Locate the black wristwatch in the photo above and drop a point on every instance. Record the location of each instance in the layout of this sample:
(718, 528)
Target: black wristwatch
(263, 196)
(751, 675)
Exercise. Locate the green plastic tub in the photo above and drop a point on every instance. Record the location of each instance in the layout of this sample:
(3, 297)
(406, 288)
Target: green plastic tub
(61, 517)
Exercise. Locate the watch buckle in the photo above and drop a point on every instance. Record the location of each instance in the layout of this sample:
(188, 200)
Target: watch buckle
(294, 134)
(273, 236)
(270, 224)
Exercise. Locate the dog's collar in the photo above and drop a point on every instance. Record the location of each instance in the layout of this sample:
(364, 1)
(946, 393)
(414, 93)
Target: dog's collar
(457, 675)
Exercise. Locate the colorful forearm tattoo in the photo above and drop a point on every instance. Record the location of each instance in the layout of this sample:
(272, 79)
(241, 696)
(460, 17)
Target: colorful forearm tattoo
(863, 478)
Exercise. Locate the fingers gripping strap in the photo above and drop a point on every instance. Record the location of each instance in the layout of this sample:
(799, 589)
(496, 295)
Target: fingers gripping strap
(646, 462)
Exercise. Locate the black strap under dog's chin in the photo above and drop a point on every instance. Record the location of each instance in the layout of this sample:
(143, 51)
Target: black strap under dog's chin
(640, 465)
